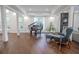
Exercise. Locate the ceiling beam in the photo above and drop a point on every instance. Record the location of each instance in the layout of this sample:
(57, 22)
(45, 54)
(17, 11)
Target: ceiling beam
(21, 9)
(13, 9)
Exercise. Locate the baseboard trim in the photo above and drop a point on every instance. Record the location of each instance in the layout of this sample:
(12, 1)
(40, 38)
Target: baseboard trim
(75, 41)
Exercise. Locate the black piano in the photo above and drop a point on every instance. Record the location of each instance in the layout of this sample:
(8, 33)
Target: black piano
(36, 27)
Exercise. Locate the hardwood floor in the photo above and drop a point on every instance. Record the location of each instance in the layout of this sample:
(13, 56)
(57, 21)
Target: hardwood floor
(26, 44)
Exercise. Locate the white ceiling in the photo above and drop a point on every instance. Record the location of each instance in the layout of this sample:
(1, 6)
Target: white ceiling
(38, 10)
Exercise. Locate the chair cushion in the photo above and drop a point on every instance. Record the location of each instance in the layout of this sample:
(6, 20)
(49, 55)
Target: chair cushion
(58, 36)
(49, 36)
(54, 36)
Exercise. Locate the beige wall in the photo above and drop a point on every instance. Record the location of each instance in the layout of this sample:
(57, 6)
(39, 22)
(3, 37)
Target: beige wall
(27, 22)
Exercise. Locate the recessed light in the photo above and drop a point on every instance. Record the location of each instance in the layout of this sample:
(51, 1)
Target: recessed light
(25, 17)
(30, 9)
(14, 13)
(52, 18)
(7, 11)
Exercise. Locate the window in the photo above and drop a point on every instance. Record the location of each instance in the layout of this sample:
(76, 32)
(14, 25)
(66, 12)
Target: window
(21, 23)
(40, 20)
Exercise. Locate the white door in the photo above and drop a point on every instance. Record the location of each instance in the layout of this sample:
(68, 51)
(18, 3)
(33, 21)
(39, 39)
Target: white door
(76, 21)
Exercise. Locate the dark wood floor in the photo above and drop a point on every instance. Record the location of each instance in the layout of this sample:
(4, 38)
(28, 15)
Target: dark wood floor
(26, 44)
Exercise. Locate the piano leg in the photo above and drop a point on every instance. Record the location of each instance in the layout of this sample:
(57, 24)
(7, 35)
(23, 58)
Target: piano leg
(35, 32)
(40, 31)
(30, 32)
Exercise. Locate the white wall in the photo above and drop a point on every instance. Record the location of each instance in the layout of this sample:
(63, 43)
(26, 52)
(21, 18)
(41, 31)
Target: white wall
(57, 22)
(27, 22)
(12, 22)
(47, 21)
(58, 16)
(0, 21)
(76, 21)
(76, 18)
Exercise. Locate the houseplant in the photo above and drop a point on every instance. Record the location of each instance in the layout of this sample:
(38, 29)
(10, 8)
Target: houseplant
(51, 27)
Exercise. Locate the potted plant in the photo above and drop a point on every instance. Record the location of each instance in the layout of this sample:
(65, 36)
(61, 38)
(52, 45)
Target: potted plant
(51, 28)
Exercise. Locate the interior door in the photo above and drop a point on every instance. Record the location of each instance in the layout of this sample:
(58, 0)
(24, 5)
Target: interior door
(76, 21)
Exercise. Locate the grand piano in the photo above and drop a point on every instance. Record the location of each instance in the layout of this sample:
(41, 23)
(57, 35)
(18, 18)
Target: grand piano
(36, 27)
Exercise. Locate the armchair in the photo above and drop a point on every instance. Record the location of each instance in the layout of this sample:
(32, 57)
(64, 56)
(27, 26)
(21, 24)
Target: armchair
(63, 39)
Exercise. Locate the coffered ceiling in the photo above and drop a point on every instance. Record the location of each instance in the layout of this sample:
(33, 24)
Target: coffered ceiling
(38, 10)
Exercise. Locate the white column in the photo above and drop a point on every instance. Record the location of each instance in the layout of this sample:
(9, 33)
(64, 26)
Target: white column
(71, 13)
(4, 25)
(18, 32)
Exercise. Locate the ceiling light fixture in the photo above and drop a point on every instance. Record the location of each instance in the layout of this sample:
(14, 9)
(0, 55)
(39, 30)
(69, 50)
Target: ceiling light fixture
(14, 13)
(7, 11)
(52, 19)
(25, 17)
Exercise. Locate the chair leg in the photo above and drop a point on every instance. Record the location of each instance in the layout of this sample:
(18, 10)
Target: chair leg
(46, 39)
(60, 47)
(50, 39)
(69, 44)
(30, 32)
(40, 31)
(35, 33)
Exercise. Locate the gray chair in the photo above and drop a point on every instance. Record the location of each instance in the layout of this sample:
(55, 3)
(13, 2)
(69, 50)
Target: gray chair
(63, 39)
